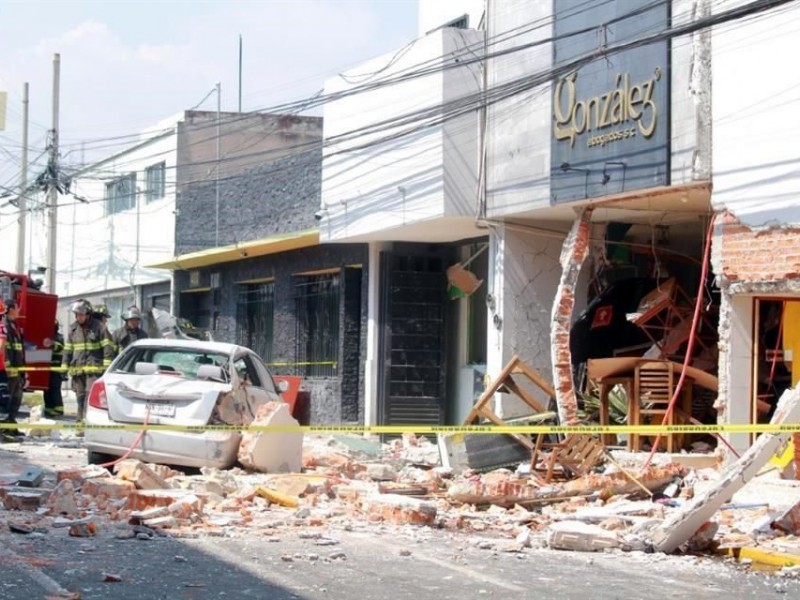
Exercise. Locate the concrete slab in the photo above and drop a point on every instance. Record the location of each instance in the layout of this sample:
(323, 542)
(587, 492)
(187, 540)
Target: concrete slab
(581, 537)
(272, 451)
(682, 525)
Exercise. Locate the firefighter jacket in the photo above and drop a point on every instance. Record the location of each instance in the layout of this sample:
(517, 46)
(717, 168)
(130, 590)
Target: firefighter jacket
(124, 337)
(15, 347)
(58, 350)
(88, 349)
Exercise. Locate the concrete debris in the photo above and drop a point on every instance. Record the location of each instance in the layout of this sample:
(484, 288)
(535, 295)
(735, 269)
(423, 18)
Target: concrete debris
(681, 526)
(353, 484)
(583, 537)
(272, 451)
(83, 530)
(141, 475)
(396, 509)
(62, 499)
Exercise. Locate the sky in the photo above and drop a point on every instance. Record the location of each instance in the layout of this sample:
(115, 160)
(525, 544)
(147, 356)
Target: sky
(127, 65)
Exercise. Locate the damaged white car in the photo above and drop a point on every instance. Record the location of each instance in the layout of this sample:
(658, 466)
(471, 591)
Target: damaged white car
(177, 382)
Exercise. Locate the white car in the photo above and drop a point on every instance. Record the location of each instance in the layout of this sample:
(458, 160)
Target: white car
(177, 382)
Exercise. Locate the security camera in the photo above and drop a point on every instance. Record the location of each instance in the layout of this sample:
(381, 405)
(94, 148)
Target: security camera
(320, 214)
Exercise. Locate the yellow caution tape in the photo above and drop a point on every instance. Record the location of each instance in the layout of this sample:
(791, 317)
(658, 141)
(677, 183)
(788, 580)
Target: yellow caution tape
(430, 429)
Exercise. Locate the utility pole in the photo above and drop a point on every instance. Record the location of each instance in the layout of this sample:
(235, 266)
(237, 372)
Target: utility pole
(240, 72)
(22, 203)
(216, 179)
(52, 187)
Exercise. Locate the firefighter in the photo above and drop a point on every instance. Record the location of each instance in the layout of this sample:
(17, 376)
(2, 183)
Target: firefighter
(53, 402)
(15, 361)
(130, 332)
(100, 312)
(5, 397)
(88, 351)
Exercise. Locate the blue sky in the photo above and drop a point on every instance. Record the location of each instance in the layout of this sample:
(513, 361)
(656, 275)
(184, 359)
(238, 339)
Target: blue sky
(127, 65)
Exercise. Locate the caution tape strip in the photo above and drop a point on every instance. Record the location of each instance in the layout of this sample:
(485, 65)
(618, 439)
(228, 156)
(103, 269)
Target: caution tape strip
(427, 429)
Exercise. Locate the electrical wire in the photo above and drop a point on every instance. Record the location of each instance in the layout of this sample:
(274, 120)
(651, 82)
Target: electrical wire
(698, 306)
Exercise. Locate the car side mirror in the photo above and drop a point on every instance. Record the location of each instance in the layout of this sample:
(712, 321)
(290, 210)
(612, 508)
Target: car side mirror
(283, 385)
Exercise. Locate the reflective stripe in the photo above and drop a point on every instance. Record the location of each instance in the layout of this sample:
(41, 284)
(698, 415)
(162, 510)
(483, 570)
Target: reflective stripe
(85, 370)
(89, 345)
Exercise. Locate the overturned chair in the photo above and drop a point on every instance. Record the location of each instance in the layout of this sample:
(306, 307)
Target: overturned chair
(576, 455)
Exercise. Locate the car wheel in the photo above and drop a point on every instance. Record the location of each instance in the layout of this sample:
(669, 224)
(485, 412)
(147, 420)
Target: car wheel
(98, 458)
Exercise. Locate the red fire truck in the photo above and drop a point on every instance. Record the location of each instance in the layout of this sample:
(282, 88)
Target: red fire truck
(37, 315)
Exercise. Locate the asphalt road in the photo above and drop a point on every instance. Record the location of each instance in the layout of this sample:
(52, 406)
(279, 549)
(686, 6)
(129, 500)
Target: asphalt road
(362, 560)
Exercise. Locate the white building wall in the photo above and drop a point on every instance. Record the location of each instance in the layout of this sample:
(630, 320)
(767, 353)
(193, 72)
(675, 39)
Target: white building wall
(524, 282)
(98, 252)
(372, 183)
(435, 13)
(518, 143)
(756, 155)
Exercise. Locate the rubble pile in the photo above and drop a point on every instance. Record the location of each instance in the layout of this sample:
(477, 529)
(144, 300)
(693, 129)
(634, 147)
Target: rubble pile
(624, 503)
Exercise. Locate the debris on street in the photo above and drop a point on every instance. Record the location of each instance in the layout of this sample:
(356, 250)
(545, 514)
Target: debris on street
(315, 485)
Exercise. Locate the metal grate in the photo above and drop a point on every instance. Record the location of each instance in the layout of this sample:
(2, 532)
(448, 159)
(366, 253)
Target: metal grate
(254, 318)
(317, 302)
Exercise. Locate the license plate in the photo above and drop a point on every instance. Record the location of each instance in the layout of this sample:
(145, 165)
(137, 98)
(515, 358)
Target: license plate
(161, 409)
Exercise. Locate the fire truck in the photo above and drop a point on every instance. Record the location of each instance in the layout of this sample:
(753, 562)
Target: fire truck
(37, 316)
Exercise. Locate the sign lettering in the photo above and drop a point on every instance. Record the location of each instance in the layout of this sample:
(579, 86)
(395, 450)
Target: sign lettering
(629, 105)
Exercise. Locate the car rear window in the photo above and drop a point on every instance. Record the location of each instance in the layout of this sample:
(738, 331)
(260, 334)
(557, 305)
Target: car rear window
(181, 361)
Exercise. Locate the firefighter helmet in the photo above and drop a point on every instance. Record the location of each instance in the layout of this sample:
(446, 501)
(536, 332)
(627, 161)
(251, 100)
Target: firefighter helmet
(101, 310)
(132, 312)
(81, 307)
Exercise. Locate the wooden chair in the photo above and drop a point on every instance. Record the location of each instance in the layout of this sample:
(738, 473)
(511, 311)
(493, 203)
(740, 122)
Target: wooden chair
(654, 384)
(577, 455)
(506, 383)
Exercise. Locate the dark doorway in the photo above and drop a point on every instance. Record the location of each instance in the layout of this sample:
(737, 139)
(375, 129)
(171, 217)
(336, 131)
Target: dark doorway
(413, 345)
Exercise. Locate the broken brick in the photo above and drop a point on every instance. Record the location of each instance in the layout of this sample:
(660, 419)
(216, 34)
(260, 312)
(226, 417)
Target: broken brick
(83, 530)
(108, 488)
(140, 474)
(29, 501)
(81, 474)
(397, 509)
(167, 522)
(185, 507)
(62, 499)
(144, 499)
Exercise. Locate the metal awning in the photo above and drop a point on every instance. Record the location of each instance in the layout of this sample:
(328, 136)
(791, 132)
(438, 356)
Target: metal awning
(241, 251)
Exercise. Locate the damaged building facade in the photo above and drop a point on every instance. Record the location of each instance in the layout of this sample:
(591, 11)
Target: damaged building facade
(756, 249)
(600, 173)
(598, 190)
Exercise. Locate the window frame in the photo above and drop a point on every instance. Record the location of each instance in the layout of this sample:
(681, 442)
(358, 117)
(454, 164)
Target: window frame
(319, 323)
(115, 202)
(151, 193)
(250, 297)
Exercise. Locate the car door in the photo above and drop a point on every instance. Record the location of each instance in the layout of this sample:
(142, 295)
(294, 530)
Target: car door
(252, 384)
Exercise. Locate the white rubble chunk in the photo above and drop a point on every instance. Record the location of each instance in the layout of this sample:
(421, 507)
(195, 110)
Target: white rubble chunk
(272, 451)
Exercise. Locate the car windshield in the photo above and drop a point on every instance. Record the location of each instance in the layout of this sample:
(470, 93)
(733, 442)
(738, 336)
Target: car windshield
(180, 361)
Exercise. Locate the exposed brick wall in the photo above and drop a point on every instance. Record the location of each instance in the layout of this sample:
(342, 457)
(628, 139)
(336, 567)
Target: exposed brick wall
(748, 255)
